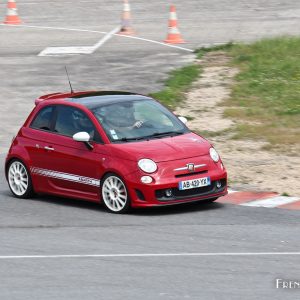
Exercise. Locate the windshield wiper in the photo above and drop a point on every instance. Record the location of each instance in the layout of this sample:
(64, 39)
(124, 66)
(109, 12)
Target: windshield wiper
(154, 135)
(130, 139)
(159, 134)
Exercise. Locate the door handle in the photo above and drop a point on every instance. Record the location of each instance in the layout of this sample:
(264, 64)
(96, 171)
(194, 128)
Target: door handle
(48, 148)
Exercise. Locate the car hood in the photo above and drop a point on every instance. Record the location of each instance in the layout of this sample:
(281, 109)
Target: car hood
(163, 149)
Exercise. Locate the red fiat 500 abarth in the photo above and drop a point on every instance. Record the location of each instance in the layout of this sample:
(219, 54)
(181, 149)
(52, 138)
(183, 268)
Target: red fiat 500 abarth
(122, 149)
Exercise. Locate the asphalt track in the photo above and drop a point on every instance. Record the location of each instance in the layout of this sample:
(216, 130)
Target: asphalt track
(53, 248)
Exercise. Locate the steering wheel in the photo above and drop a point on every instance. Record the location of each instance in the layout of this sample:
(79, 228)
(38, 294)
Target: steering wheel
(146, 124)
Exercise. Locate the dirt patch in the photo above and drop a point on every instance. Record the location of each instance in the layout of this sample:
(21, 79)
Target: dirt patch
(249, 167)
(202, 101)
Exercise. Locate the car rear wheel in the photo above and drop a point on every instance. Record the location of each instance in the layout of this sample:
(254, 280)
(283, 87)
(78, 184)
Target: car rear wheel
(114, 194)
(19, 179)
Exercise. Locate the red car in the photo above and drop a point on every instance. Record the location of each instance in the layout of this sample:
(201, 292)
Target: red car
(122, 149)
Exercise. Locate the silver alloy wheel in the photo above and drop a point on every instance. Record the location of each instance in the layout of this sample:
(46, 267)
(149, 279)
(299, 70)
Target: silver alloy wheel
(114, 193)
(18, 178)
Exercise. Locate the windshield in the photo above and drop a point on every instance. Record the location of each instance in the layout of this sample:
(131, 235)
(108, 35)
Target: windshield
(137, 120)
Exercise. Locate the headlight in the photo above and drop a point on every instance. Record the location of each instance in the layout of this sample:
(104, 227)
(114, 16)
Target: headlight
(214, 154)
(147, 165)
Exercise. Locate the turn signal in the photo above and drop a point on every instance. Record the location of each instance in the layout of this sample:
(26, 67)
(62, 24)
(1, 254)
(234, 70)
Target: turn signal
(146, 179)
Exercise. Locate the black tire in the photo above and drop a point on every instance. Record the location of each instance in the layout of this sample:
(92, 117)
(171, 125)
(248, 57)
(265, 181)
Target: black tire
(114, 194)
(19, 179)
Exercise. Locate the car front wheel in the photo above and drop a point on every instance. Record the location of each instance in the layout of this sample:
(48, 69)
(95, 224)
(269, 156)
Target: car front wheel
(19, 179)
(114, 194)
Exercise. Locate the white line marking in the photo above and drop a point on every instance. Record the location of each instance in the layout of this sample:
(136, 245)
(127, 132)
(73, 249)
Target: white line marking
(56, 51)
(230, 191)
(103, 32)
(149, 255)
(272, 202)
(107, 37)
(54, 28)
(156, 42)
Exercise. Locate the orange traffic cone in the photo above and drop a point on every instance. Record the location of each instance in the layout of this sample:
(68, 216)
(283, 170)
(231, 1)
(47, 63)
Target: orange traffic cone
(126, 20)
(174, 36)
(12, 13)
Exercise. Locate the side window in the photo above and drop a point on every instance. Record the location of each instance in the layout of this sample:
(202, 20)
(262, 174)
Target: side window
(43, 119)
(71, 120)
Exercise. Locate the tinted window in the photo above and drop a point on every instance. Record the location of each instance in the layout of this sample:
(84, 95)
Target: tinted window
(43, 118)
(71, 120)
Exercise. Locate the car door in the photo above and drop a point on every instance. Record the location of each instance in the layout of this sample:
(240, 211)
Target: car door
(69, 167)
(34, 140)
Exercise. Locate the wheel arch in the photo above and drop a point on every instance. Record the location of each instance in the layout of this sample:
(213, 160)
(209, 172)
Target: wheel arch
(113, 172)
(12, 158)
(29, 190)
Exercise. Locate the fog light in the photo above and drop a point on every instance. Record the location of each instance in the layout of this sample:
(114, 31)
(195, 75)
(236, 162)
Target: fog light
(219, 184)
(146, 179)
(169, 192)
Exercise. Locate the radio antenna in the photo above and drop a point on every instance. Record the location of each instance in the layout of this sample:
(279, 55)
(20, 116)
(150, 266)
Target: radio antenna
(69, 80)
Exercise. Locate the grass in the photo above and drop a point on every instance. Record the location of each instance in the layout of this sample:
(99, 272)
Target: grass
(267, 91)
(265, 99)
(223, 47)
(177, 84)
(209, 134)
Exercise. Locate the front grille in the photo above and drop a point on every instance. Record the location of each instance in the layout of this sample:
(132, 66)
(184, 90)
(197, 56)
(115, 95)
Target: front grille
(191, 174)
(191, 193)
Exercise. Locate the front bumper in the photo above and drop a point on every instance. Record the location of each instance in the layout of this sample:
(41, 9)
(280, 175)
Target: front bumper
(148, 195)
(176, 194)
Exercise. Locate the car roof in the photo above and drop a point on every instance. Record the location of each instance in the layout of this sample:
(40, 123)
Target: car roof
(92, 99)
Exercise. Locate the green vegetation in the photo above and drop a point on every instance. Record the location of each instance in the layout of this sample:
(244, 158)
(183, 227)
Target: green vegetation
(223, 47)
(209, 134)
(177, 84)
(266, 97)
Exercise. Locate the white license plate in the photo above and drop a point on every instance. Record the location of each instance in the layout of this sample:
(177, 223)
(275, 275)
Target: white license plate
(194, 183)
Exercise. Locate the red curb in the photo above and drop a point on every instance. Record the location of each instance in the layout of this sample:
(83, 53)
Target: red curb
(294, 205)
(242, 197)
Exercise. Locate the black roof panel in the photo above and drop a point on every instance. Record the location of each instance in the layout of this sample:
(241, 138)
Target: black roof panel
(95, 99)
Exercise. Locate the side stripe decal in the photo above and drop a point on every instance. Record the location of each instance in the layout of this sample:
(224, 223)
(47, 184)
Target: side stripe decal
(65, 176)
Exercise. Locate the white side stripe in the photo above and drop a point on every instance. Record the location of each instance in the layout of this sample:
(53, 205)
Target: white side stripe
(65, 176)
(272, 202)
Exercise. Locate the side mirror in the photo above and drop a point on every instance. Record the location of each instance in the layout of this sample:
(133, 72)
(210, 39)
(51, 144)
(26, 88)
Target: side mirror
(183, 119)
(83, 137)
